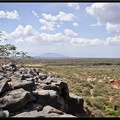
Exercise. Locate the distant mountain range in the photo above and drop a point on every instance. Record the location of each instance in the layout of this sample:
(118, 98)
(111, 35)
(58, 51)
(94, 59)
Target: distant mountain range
(51, 56)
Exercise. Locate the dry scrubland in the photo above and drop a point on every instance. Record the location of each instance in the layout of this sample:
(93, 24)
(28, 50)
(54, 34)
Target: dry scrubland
(96, 80)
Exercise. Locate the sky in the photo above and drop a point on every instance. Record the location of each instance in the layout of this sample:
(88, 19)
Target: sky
(74, 29)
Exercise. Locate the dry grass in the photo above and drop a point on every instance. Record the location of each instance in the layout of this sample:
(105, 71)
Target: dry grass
(89, 78)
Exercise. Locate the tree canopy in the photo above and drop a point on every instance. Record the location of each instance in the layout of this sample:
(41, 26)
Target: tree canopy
(9, 53)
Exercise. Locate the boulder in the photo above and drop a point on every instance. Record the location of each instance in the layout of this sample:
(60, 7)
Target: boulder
(53, 87)
(64, 88)
(15, 100)
(31, 114)
(4, 86)
(4, 114)
(26, 92)
(75, 105)
(27, 85)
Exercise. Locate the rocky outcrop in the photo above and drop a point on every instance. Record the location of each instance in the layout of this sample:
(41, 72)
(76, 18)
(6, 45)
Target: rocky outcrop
(26, 92)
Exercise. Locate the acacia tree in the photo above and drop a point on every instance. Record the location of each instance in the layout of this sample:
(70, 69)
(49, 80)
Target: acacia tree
(9, 53)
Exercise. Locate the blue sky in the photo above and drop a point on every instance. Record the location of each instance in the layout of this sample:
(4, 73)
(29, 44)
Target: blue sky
(83, 29)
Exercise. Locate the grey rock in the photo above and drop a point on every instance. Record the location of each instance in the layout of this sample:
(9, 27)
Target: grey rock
(4, 86)
(26, 92)
(1, 75)
(75, 104)
(49, 109)
(15, 100)
(52, 87)
(42, 76)
(2, 114)
(67, 116)
(31, 114)
(64, 88)
(37, 107)
(27, 85)
(24, 76)
(1, 69)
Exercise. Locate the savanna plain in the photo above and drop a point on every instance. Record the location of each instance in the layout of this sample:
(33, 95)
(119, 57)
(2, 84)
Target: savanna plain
(97, 80)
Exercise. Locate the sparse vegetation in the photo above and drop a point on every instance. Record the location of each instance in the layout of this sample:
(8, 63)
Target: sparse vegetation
(89, 78)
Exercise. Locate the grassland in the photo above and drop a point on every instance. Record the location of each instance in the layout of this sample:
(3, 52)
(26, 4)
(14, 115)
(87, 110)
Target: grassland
(90, 78)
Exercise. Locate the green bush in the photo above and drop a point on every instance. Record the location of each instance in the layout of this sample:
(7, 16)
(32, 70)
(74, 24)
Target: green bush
(98, 105)
(88, 101)
(111, 112)
(86, 92)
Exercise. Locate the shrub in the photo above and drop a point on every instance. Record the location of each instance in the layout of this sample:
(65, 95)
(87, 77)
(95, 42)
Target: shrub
(86, 92)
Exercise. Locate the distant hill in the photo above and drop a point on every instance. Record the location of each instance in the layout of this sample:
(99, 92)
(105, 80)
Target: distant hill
(51, 56)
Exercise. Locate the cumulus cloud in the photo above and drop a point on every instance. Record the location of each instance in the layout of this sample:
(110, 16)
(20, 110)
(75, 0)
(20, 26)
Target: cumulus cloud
(65, 16)
(74, 5)
(33, 39)
(45, 38)
(9, 15)
(35, 13)
(49, 17)
(58, 37)
(4, 36)
(49, 21)
(113, 27)
(85, 42)
(29, 35)
(110, 41)
(75, 24)
(105, 12)
(62, 16)
(20, 30)
(47, 25)
(113, 40)
(70, 33)
(20, 40)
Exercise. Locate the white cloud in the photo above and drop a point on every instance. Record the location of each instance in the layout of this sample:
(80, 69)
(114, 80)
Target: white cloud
(58, 25)
(75, 24)
(74, 5)
(105, 12)
(48, 20)
(33, 39)
(62, 16)
(113, 40)
(29, 35)
(47, 25)
(113, 27)
(49, 17)
(20, 40)
(57, 38)
(20, 30)
(5, 36)
(70, 33)
(110, 41)
(85, 42)
(10, 15)
(35, 13)
(97, 24)
(45, 38)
